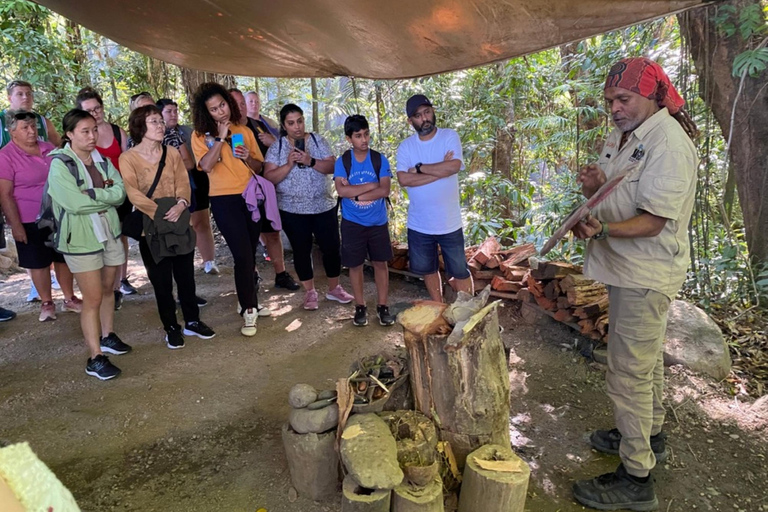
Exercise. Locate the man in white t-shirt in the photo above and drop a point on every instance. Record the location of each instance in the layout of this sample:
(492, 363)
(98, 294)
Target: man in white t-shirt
(428, 164)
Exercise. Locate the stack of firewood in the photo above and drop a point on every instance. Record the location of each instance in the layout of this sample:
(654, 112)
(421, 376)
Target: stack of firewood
(503, 269)
(400, 259)
(571, 297)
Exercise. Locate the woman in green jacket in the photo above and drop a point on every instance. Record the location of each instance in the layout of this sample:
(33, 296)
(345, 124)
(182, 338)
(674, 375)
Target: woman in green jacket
(88, 233)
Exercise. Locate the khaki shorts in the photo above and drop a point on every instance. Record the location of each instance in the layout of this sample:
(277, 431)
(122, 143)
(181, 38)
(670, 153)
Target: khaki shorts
(113, 255)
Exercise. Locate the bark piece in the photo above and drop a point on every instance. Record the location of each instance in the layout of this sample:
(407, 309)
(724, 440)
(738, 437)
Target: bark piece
(408, 498)
(313, 463)
(495, 480)
(520, 254)
(463, 387)
(359, 499)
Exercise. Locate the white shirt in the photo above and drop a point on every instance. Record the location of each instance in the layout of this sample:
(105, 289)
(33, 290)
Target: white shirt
(433, 209)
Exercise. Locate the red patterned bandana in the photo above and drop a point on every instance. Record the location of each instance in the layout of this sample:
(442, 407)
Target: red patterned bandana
(646, 78)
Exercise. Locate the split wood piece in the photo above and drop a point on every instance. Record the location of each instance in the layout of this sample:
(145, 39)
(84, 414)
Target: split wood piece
(462, 387)
(564, 315)
(515, 273)
(486, 274)
(520, 254)
(554, 270)
(551, 289)
(534, 286)
(545, 303)
(587, 325)
(486, 250)
(502, 285)
(399, 262)
(313, 463)
(525, 296)
(494, 261)
(474, 264)
(359, 499)
(495, 480)
(400, 249)
(562, 302)
(601, 324)
(425, 318)
(587, 295)
(407, 498)
(594, 309)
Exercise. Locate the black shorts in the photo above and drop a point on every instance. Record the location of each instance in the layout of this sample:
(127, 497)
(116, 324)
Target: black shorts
(202, 190)
(359, 241)
(35, 254)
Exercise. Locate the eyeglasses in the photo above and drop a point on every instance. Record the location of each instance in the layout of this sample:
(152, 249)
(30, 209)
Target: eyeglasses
(156, 122)
(96, 110)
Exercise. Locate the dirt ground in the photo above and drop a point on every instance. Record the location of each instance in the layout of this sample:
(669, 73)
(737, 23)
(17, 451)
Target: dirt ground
(199, 429)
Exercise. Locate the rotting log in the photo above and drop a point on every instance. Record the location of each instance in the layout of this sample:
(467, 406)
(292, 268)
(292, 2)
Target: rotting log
(462, 387)
(495, 480)
(409, 498)
(359, 499)
(313, 463)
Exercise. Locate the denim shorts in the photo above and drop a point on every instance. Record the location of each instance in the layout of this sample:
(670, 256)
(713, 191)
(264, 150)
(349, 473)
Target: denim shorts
(423, 256)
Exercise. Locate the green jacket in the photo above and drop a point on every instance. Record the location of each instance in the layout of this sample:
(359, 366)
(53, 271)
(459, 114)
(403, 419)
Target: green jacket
(73, 208)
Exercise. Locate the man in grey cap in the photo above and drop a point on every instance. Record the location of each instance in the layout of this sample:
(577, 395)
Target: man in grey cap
(428, 164)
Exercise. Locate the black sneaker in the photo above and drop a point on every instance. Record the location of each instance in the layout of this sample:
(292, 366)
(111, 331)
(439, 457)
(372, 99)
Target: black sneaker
(198, 329)
(101, 368)
(201, 302)
(385, 318)
(285, 280)
(127, 288)
(173, 338)
(361, 316)
(118, 299)
(114, 345)
(615, 491)
(609, 441)
(6, 314)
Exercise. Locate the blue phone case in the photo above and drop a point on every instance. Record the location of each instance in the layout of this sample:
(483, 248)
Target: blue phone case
(237, 140)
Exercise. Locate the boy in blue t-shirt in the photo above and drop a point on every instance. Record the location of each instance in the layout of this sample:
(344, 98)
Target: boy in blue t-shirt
(364, 226)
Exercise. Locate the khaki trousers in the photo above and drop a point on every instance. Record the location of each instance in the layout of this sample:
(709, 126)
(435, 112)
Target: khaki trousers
(635, 377)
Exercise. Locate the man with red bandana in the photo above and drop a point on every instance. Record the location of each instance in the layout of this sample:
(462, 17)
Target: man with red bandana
(639, 247)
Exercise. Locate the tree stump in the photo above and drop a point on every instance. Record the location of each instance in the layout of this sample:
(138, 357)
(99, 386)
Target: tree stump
(462, 386)
(313, 462)
(408, 498)
(495, 480)
(359, 499)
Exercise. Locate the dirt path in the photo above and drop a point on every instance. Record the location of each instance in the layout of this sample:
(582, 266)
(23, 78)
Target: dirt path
(199, 429)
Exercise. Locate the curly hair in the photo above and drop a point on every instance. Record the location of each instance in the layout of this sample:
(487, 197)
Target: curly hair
(201, 118)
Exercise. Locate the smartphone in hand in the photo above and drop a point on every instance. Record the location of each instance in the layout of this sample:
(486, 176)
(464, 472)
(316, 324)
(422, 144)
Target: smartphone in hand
(300, 146)
(237, 141)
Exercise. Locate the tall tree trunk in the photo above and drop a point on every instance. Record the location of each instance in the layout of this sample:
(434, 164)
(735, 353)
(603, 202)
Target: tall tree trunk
(75, 42)
(191, 80)
(315, 106)
(713, 54)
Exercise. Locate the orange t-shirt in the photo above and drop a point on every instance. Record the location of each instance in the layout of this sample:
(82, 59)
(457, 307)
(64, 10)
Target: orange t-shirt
(230, 175)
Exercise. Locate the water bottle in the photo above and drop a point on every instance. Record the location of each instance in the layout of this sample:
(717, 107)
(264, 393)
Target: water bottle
(209, 140)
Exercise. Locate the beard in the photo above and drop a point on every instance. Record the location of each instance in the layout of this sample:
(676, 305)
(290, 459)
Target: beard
(426, 127)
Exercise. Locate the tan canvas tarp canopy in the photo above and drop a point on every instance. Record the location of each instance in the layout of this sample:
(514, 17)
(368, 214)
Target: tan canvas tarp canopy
(362, 38)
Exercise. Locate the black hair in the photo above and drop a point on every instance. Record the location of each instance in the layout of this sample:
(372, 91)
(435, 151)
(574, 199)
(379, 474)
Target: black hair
(235, 89)
(288, 109)
(201, 118)
(137, 121)
(355, 123)
(70, 122)
(164, 102)
(87, 93)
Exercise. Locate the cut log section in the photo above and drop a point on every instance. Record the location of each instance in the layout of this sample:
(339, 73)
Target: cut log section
(359, 499)
(520, 254)
(408, 498)
(486, 250)
(495, 480)
(464, 387)
(313, 462)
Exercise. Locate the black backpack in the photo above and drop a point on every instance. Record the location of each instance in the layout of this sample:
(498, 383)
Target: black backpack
(46, 219)
(346, 160)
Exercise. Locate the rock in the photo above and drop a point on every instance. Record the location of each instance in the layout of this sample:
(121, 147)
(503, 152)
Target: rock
(302, 395)
(694, 340)
(305, 421)
(369, 452)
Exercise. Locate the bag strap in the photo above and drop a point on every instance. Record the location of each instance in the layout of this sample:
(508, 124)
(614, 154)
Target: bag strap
(116, 133)
(346, 160)
(160, 168)
(71, 167)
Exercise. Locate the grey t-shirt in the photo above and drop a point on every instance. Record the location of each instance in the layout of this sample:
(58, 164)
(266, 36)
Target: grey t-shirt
(304, 191)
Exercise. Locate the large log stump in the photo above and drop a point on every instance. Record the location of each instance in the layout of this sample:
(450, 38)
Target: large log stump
(409, 498)
(313, 462)
(462, 385)
(359, 499)
(495, 480)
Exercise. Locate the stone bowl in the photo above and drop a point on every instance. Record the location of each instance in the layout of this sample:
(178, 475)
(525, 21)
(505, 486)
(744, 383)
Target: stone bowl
(421, 475)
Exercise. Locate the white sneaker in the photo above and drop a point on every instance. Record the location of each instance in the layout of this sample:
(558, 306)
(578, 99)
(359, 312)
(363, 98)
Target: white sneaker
(263, 311)
(33, 295)
(55, 282)
(249, 326)
(211, 268)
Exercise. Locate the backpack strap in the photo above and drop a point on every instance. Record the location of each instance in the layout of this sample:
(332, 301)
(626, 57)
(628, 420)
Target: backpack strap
(71, 166)
(116, 133)
(376, 161)
(346, 160)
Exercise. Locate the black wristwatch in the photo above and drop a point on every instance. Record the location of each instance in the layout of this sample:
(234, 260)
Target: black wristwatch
(357, 199)
(418, 168)
(312, 162)
(218, 139)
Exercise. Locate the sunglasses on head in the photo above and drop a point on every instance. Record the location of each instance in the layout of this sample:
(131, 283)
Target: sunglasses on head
(20, 116)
